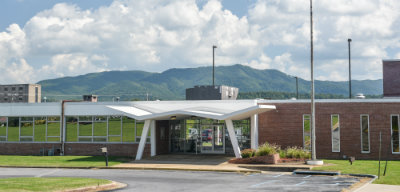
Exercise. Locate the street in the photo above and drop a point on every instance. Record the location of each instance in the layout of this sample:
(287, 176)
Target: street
(154, 180)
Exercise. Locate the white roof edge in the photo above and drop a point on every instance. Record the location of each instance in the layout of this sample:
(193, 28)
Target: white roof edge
(391, 60)
(384, 100)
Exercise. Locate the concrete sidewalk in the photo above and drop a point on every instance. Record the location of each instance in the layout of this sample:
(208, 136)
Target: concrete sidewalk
(205, 163)
(378, 187)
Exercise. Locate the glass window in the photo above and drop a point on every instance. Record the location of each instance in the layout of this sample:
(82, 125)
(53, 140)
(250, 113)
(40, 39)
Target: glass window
(100, 126)
(395, 134)
(40, 129)
(3, 128)
(307, 132)
(128, 129)
(13, 129)
(53, 129)
(365, 133)
(335, 133)
(85, 128)
(242, 131)
(71, 129)
(114, 129)
(26, 128)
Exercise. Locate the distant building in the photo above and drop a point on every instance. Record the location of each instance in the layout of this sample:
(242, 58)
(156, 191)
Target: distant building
(209, 92)
(20, 93)
(391, 78)
(90, 98)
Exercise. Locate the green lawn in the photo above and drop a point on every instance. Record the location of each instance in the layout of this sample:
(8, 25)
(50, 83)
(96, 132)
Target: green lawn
(47, 184)
(60, 161)
(366, 167)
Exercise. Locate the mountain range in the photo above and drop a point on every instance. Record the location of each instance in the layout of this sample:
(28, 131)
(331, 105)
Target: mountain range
(171, 84)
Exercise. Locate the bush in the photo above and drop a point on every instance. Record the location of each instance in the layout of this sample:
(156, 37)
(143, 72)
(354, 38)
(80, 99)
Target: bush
(267, 149)
(247, 153)
(297, 152)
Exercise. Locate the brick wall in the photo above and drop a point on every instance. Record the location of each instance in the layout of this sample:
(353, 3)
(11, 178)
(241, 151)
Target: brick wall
(284, 126)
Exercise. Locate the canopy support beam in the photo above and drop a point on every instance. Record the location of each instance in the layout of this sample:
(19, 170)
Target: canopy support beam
(232, 136)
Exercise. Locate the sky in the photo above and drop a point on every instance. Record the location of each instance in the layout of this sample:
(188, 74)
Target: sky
(49, 39)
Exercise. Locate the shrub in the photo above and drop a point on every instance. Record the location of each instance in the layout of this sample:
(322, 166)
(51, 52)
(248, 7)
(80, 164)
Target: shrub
(267, 149)
(247, 153)
(297, 152)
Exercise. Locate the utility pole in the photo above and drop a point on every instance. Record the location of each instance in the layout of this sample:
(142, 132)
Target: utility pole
(213, 77)
(297, 87)
(349, 41)
(313, 152)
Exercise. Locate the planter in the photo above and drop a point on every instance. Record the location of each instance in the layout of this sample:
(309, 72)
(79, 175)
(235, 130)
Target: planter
(269, 159)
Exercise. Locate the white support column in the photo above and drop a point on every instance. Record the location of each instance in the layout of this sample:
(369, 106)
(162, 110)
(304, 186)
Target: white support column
(254, 131)
(143, 138)
(233, 137)
(153, 137)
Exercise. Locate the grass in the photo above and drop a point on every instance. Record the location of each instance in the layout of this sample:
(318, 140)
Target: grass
(366, 167)
(60, 161)
(47, 184)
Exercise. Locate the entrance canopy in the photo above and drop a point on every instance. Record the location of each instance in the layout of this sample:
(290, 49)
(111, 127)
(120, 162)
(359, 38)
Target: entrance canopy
(212, 109)
(227, 110)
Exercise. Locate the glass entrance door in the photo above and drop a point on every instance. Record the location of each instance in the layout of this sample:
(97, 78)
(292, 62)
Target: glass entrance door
(212, 139)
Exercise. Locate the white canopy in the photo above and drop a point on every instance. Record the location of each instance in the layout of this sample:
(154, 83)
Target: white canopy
(215, 109)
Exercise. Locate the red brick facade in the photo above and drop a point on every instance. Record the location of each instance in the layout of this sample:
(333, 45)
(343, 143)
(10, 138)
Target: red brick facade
(284, 126)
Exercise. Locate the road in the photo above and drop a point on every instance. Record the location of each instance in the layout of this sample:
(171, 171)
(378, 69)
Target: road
(154, 180)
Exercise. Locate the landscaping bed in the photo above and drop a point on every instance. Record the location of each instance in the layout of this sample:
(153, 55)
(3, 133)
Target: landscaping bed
(272, 154)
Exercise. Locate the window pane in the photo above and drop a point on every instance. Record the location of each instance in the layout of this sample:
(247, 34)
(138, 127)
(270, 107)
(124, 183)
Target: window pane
(27, 119)
(40, 129)
(13, 129)
(114, 126)
(335, 133)
(55, 118)
(395, 133)
(85, 139)
(53, 139)
(100, 129)
(85, 129)
(26, 139)
(100, 139)
(307, 132)
(100, 118)
(72, 129)
(128, 129)
(26, 129)
(364, 133)
(114, 139)
(53, 129)
(3, 126)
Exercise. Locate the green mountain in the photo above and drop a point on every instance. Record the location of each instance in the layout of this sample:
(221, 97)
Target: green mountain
(171, 84)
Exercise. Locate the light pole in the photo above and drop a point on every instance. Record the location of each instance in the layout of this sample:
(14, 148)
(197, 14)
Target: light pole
(349, 41)
(297, 87)
(313, 152)
(214, 47)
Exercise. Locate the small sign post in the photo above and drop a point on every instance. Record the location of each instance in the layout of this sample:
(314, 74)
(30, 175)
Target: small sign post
(105, 153)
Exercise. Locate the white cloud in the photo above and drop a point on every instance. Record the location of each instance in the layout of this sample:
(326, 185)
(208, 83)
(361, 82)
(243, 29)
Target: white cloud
(157, 35)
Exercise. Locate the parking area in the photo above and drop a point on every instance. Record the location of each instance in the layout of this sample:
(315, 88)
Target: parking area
(157, 180)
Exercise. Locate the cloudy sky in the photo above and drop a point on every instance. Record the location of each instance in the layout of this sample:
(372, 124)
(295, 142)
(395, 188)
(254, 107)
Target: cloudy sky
(54, 38)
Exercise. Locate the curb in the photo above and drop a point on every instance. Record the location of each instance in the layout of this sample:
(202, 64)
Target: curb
(138, 168)
(278, 169)
(183, 169)
(106, 187)
(309, 172)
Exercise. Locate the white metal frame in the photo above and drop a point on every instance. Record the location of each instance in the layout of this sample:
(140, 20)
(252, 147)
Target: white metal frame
(361, 135)
(6, 136)
(338, 132)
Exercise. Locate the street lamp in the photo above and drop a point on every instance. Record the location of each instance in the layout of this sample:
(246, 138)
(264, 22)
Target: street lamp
(349, 41)
(214, 47)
